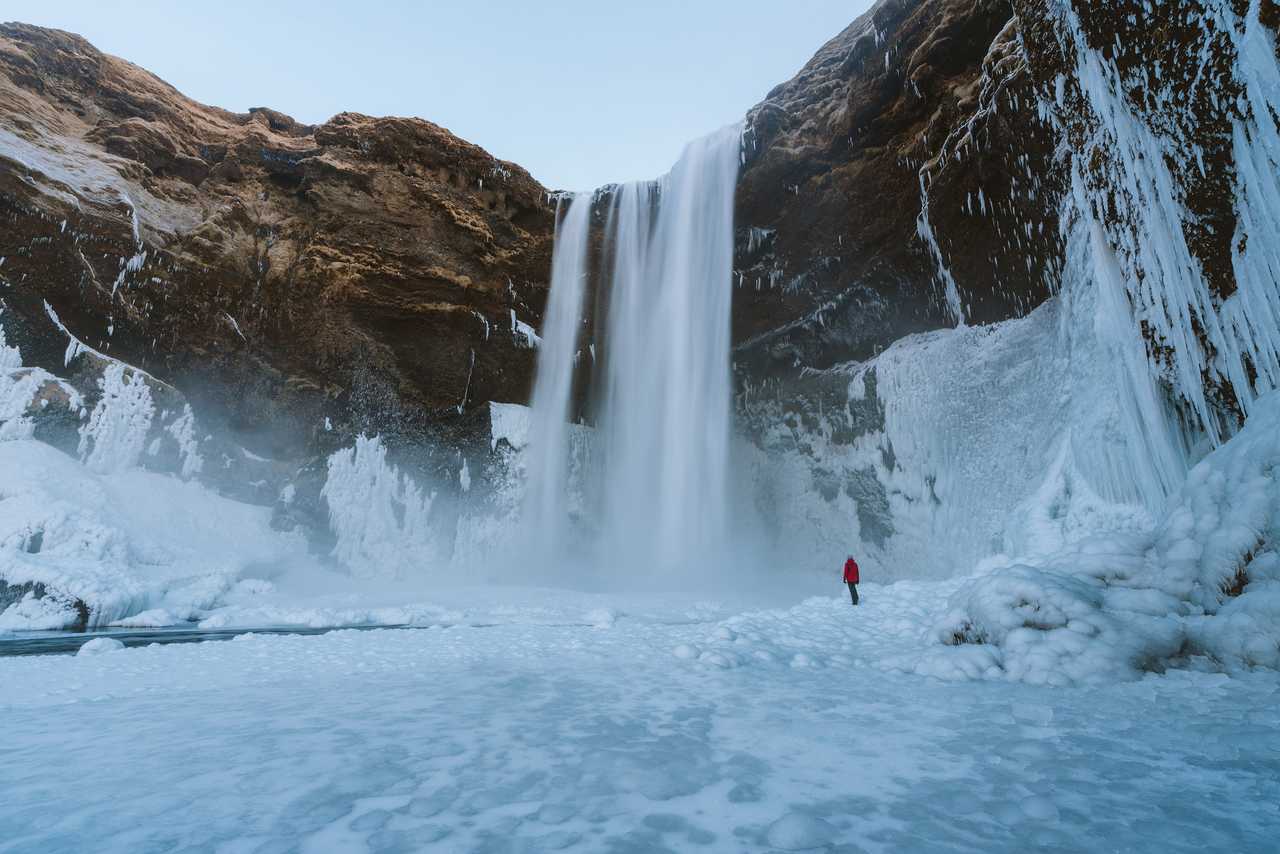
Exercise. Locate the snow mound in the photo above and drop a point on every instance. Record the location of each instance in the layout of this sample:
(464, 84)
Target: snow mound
(1203, 585)
(91, 548)
(98, 646)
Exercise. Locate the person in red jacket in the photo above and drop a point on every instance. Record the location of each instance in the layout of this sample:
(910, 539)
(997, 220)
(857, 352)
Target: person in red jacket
(851, 578)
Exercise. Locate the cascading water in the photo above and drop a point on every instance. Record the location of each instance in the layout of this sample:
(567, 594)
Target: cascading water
(666, 408)
(545, 506)
(663, 393)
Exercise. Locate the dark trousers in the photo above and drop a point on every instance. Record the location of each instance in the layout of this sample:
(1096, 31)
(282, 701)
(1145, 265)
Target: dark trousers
(853, 592)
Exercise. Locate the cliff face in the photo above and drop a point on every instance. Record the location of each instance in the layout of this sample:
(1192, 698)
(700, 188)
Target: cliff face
(923, 169)
(299, 284)
(889, 151)
(939, 164)
(1077, 202)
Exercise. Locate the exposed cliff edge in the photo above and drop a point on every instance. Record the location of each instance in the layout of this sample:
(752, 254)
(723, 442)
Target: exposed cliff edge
(363, 274)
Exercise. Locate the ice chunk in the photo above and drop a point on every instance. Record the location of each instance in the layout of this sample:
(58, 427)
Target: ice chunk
(98, 646)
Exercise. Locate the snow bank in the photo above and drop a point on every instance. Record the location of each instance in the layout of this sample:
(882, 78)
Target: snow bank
(1202, 588)
(120, 543)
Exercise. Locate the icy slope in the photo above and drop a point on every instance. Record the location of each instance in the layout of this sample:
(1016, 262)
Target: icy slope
(120, 543)
(88, 537)
(1201, 589)
(956, 445)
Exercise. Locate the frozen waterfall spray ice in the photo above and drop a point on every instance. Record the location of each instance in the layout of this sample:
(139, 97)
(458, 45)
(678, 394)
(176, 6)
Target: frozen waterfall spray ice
(663, 392)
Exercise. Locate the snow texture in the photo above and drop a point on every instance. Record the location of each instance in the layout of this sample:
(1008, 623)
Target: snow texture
(789, 729)
(1201, 589)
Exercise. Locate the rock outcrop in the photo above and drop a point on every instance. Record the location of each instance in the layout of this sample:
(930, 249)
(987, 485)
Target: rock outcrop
(888, 188)
(914, 175)
(300, 284)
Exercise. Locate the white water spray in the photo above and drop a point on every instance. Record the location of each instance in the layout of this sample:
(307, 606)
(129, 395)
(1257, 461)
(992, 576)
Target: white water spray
(664, 392)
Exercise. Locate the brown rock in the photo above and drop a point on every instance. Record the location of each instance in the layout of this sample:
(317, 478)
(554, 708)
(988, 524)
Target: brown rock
(363, 270)
(909, 102)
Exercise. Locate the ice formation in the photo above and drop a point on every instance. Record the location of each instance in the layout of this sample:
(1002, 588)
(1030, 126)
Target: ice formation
(114, 437)
(1202, 586)
(91, 540)
(20, 388)
(120, 542)
(1122, 183)
(379, 515)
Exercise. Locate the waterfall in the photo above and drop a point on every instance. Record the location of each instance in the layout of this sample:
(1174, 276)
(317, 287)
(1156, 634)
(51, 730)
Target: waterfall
(663, 391)
(545, 514)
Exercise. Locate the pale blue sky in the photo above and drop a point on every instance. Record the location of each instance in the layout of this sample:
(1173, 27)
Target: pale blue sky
(578, 92)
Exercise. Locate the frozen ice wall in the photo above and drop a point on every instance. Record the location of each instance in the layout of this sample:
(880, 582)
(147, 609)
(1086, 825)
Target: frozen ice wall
(379, 516)
(1126, 181)
(957, 445)
(89, 538)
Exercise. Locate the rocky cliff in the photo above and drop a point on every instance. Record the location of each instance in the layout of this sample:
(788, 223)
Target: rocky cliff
(914, 175)
(888, 188)
(299, 284)
(941, 166)
(1008, 257)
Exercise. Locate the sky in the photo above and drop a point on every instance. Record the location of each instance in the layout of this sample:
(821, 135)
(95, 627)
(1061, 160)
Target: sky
(579, 92)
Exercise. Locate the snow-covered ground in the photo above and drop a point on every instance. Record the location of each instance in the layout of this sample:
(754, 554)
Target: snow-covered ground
(673, 729)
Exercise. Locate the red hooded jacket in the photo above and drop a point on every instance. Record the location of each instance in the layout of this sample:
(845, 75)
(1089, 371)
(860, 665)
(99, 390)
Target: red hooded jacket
(850, 571)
